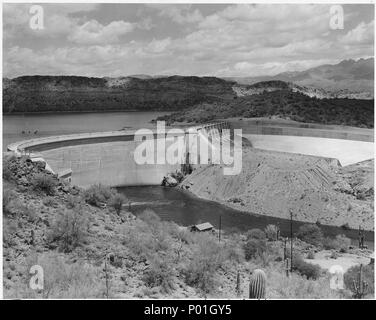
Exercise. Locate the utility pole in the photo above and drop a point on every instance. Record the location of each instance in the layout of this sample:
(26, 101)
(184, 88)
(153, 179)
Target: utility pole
(220, 227)
(291, 240)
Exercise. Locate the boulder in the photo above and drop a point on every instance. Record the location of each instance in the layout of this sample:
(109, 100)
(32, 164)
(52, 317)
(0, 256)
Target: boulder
(169, 181)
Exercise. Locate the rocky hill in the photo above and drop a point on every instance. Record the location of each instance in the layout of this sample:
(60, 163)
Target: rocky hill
(280, 99)
(347, 79)
(73, 93)
(272, 182)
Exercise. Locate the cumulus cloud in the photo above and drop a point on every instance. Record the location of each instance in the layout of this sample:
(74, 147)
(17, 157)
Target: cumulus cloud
(227, 40)
(363, 33)
(92, 32)
(181, 14)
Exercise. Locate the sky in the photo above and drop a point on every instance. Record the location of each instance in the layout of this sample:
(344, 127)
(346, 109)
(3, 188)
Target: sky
(221, 40)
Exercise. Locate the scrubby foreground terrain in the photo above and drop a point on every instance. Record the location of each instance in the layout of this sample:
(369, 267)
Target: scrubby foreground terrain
(91, 246)
(271, 183)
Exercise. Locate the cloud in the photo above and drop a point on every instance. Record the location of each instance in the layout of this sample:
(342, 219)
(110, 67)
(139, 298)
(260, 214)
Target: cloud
(92, 32)
(181, 14)
(363, 33)
(240, 39)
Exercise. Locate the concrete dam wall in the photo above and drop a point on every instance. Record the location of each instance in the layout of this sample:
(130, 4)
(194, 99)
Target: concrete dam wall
(108, 157)
(103, 157)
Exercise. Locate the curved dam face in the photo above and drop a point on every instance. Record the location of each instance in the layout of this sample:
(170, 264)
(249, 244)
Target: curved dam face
(106, 158)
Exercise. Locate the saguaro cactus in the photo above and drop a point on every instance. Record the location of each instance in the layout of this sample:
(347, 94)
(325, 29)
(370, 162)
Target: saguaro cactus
(257, 285)
(238, 289)
(360, 286)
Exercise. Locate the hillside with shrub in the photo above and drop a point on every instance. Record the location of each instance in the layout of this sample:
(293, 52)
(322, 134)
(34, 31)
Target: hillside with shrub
(284, 104)
(90, 245)
(83, 94)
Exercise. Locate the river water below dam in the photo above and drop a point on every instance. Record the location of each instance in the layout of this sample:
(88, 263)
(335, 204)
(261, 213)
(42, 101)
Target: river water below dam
(185, 209)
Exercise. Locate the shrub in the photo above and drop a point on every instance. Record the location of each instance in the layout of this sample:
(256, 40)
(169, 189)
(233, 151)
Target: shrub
(8, 197)
(311, 234)
(69, 229)
(117, 201)
(7, 171)
(44, 182)
(63, 280)
(73, 201)
(9, 228)
(256, 234)
(205, 261)
(254, 248)
(272, 232)
(309, 270)
(147, 236)
(340, 242)
(98, 194)
(311, 255)
(50, 202)
(160, 274)
(352, 275)
(28, 211)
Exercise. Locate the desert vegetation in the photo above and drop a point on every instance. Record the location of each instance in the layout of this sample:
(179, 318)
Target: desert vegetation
(283, 104)
(91, 246)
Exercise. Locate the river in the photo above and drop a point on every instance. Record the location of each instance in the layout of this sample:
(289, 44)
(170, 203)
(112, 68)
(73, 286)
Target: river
(186, 209)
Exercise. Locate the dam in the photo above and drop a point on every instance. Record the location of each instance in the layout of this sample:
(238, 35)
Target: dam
(108, 157)
(104, 157)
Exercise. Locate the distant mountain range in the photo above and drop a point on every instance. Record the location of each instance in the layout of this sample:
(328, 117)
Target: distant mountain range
(347, 79)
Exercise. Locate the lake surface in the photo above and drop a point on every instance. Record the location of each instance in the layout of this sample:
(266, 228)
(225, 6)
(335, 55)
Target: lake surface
(186, 209)
(51, 124)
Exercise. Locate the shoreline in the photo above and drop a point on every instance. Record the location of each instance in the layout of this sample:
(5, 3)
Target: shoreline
(233, 206)
(84, 112)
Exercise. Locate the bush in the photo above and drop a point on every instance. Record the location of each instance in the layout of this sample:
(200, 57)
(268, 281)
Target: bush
(311, 234)
(272, 232)
(69, 229)
(311, 255)
(340, 242)
(116, 202)
(28, 211)
(147, 236)
(206, 259)
(256, 234)
(7, 171)
(309, 270)
(160, 274)
(8, 197)
(45, 183)
(9, 229)
(352, 275)
(254, 248)
(98, 194)
(63, 280)
(73, 201)
(50, 202)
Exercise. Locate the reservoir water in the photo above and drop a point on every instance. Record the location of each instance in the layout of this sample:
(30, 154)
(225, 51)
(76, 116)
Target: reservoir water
(18, 127)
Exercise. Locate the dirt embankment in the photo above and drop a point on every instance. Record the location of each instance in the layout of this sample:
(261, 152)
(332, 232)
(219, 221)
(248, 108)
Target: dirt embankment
(273, 183)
